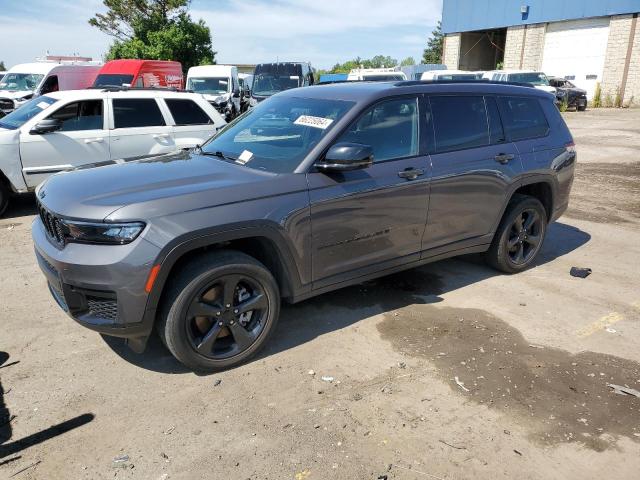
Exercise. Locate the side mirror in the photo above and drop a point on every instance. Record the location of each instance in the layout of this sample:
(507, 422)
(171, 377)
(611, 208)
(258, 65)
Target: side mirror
(48, 125)
(343, 157)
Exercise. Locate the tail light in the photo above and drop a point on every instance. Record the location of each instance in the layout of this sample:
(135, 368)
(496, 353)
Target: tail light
(570, 147)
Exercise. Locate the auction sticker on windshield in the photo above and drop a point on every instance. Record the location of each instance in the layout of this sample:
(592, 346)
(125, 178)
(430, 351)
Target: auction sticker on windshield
(315, 122)
(244, 157)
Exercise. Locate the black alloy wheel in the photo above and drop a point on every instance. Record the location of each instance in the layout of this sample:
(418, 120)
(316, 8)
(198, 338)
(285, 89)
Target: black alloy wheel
(227, 316)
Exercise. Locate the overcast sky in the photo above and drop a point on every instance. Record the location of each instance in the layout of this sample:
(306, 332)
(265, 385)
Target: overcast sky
(250, 31)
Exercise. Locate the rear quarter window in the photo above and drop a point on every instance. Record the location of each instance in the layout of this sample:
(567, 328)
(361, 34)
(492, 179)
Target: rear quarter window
(187, 112)
(523, 118)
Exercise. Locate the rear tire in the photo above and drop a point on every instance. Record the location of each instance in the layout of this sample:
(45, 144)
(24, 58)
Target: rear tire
(219, 311)
(581, 109)
(520, 235)
(5, 193)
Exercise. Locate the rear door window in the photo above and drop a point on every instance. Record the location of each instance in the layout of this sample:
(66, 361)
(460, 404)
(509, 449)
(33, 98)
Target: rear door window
(390, 128)
(187, 112)
(459, 122)
(136, 112)
(76, 116)
(523, 118)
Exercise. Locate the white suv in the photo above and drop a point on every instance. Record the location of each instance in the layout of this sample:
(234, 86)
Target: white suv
(64, 130)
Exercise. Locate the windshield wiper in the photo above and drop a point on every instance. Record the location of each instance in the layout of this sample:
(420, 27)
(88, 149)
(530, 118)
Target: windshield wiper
(217, 153)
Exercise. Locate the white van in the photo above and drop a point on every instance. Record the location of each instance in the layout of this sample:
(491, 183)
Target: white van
(435, 75)
(538, 79)
(219, 85)
(28, 80)
(376, 75)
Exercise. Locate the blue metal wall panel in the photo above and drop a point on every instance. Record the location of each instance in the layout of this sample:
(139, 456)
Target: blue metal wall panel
(468, 15)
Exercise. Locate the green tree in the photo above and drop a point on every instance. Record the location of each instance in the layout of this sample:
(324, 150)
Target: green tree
(155, 30)
(2, 67)
(408, 62)
(435, 43)
(379, 61)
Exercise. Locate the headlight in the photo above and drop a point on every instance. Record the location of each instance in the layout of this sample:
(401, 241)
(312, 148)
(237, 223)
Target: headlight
(103, 233)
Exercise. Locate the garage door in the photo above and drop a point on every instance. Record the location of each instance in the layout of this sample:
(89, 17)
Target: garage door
(575, 50)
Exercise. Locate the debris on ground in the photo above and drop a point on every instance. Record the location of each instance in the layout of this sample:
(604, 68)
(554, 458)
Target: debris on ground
(402, 365)
(169, 430)
(610, 330)
(536, 346)
(311, 372)
(217, 382)
(460, 384)
(121, 461)
(25, 468)
(327, 379)
(457, 447)
(303, 475)
(516, 451)
(620, 390)
(580, 272)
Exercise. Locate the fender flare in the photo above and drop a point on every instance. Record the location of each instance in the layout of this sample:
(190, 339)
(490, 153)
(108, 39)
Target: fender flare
(176, 249)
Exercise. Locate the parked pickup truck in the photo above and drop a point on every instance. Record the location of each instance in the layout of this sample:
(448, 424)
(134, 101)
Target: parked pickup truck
(312, 190)
(64, 130)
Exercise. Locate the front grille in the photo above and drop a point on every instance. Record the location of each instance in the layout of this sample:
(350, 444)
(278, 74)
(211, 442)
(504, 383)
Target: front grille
(104, 308)
(59, 297)
(6, 104)
(52, 225)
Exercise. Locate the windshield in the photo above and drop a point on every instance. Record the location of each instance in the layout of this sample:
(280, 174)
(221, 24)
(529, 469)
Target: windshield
(21, 81)
(112, 80)
(210, 85)
(534, 78)
(26, 112)
(277, 134)
(266, 84)
(382, 78)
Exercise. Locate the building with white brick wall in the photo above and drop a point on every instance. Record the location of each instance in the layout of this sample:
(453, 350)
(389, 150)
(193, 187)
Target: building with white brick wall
(589, 42)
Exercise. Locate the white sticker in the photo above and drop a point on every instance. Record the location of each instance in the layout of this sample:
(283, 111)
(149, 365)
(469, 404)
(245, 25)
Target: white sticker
(315, 122)
(244, 157)
(42, 105)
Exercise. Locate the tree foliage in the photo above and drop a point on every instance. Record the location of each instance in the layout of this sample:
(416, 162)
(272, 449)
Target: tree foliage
(379, 61)
(407, 62)
(2, 67)
(435, 44)
(155, 30)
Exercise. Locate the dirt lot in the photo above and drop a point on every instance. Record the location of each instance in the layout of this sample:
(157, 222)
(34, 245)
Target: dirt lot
(448, 371)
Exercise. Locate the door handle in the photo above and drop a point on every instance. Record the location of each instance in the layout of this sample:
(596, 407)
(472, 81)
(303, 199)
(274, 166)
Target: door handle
(94, 140)
(411, 173)
(504, 158)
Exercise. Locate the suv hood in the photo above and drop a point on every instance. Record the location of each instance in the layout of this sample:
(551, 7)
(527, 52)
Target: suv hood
(145, 188)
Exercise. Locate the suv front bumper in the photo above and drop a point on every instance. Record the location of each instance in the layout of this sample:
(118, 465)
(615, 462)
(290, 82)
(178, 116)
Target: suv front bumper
(102, 287)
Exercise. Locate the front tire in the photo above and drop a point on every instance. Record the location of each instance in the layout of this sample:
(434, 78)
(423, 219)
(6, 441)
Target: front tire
(520, 235)
(4, 197)
(220, 311)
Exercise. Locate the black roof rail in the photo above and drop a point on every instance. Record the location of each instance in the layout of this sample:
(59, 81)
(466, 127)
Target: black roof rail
(410, 83)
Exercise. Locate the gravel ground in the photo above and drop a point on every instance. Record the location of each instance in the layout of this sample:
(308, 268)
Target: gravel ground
(446, 371)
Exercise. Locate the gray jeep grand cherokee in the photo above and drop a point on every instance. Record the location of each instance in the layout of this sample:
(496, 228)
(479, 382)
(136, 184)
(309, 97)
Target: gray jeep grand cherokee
(314, 189)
